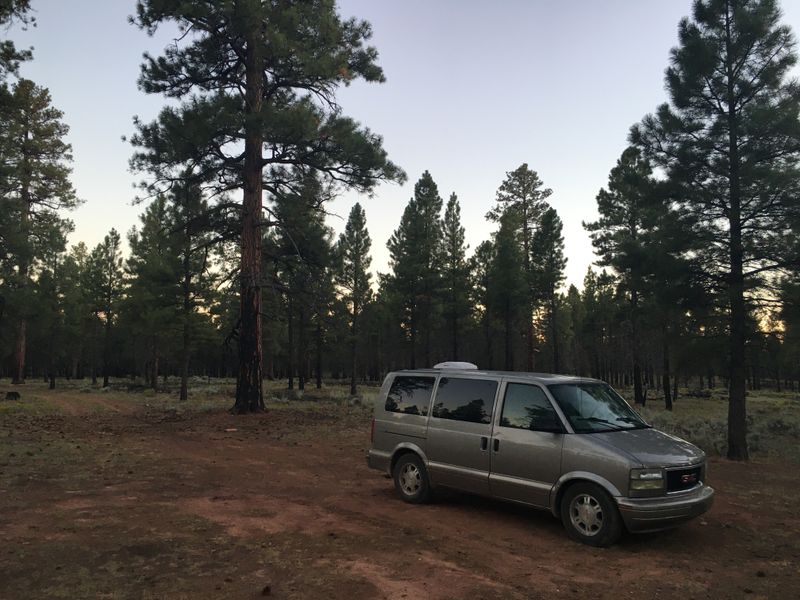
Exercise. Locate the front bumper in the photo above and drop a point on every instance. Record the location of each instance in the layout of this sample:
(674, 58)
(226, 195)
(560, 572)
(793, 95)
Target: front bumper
(653, 514)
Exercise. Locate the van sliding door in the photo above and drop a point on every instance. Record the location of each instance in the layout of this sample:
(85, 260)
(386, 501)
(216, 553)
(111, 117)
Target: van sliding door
(458, 433)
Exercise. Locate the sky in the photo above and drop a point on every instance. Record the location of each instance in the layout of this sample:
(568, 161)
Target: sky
(474, 89)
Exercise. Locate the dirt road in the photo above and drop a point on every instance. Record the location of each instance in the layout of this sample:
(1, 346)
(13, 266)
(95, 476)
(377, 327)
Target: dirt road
(114, 499)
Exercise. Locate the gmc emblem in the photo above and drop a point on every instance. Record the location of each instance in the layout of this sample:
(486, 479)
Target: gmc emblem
(690, 478)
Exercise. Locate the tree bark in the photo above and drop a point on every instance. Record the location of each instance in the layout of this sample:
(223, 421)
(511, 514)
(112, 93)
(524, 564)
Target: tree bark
(19, 352)
(666, 375)
(554, 332)
(106, 348)
(509, 348)
(249, 392)
(737, 412)
(353, 348)
(290, 344)
(154, 380)
(318, 366)
(187, 312)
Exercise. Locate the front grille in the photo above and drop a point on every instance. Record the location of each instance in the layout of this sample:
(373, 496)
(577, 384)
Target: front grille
(683, 479)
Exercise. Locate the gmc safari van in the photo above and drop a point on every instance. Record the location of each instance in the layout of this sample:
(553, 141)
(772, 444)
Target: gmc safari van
(570, 445)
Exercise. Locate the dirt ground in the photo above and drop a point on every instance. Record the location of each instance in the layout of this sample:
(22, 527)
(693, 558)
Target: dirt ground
(109, 496)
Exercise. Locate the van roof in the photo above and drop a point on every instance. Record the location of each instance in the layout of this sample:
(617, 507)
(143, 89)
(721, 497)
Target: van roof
(544, 378)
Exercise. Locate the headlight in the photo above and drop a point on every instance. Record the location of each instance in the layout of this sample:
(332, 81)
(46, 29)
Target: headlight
(647, 479)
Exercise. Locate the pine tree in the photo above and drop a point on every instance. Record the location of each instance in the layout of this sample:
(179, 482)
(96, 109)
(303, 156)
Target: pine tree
(548, 263)
(191, 241)
(621, 237)
(455, 275)
(261, 81)
(78, 317)
(480, 266)
(507, 282)
(415, 251)
(304, 246)
(522, 194)
(104, 282)
(153, 269)
(353, 277)
(12, 11)
(34, 186)
(729, 140)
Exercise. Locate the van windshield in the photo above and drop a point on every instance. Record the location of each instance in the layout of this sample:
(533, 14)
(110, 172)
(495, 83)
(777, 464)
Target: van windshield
(595, 407)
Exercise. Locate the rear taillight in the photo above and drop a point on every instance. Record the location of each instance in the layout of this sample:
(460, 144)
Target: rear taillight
(372, 432)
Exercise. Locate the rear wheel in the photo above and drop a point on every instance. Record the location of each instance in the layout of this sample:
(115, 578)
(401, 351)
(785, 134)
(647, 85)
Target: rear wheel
(590, 515)
(411, 479)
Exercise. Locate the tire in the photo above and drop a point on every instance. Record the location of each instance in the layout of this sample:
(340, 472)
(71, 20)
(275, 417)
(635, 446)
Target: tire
(411, 479)
(590, 516)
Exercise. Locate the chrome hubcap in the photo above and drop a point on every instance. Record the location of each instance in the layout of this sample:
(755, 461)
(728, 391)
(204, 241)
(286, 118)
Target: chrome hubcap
(586, 514)
(410, 479)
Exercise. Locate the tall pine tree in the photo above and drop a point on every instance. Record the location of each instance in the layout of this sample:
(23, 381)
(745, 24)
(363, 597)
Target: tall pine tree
(549, 262)
(261, 80)
(523, 195)
(353, 277)
(455, 276)
(729, 140)
(415, 251)
(34, 187)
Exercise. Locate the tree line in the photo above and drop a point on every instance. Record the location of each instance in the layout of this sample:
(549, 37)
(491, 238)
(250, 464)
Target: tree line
(233, 272)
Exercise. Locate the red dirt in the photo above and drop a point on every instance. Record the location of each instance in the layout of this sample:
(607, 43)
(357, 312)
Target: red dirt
(136, 505)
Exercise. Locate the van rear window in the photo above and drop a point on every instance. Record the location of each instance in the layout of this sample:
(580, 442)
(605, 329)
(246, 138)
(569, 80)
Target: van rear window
(410, 395)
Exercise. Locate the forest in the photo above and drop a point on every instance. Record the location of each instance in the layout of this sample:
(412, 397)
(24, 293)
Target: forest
(233, 273)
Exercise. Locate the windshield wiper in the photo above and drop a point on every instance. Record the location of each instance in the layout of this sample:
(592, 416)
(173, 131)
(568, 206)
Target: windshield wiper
(639, 424)
(614, 426)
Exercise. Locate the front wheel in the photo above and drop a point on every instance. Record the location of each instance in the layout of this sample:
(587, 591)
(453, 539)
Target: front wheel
(590, 516)
(411, 479)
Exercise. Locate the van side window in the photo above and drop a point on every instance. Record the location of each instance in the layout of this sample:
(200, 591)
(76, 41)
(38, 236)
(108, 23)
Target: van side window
(465, 399)
(527, 407)
(410, 395)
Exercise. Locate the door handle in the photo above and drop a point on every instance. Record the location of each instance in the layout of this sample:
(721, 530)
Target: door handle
(496, 444)
(484, 442)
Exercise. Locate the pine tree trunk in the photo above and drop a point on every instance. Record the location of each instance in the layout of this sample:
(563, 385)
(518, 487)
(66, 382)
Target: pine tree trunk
(154, 380)
(93, 360)
(666, 385)
(106, 348)
(302, 349)
(487, 332)
(737, 412)
(187, 313)
(509, 350)
(353, 347)
(290, 343)
(249, 392)
(19, 352)
(554, 332)
(319, 353)
(413, 335)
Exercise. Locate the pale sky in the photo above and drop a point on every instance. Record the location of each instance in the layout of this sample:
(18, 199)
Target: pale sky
(474, 89)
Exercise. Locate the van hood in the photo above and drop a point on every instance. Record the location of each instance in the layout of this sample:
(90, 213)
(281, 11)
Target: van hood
(651, 447)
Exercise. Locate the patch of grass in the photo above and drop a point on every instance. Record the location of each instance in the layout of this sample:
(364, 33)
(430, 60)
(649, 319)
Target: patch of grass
(773, 423)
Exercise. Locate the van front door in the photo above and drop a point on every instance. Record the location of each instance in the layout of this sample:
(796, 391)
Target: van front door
(458, 433)
(526, 446)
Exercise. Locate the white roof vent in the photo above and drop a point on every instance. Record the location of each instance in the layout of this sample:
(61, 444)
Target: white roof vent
(454, 364)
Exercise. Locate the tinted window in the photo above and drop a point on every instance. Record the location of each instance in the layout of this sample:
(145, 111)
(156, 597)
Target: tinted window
(527, 407)
(410, 395)
(465, 399)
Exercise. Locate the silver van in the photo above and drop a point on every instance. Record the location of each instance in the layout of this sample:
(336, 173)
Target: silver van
(567, 444)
